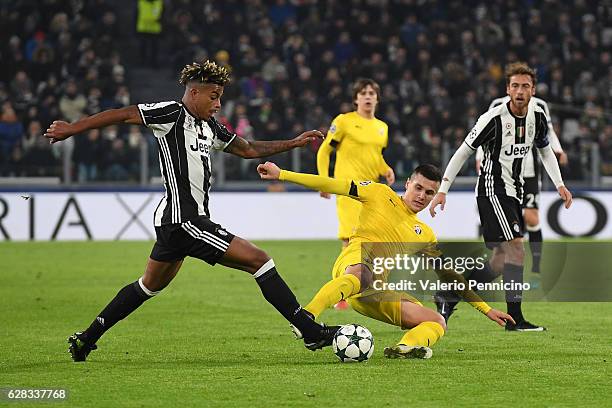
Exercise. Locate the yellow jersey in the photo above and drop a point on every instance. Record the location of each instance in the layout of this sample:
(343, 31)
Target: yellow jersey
(384, 219)
(359, 143)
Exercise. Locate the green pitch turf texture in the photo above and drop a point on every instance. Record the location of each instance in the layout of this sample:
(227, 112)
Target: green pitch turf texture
(210, 339)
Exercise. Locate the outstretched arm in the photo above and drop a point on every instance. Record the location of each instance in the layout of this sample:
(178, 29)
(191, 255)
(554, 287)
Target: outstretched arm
(260, 148)
(499, 317)
(60, 130)
(323, 159)
(270, 171)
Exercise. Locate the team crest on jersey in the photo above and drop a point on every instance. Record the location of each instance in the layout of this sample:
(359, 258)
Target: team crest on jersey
(332, 129)
(189, 122)
(364, 183)
(508, 125)
(417, 229)
(381, 131)
(530, 129)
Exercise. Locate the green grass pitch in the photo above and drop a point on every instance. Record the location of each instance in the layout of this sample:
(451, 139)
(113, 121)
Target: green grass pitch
(210, 339)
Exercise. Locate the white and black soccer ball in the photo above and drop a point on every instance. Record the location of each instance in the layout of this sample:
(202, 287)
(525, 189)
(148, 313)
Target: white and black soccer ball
(353, 343)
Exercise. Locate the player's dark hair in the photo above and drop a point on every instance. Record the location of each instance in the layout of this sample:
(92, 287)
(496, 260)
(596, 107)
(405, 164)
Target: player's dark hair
(206, 72)
(520, 68)
(429, 171)
(362, 83)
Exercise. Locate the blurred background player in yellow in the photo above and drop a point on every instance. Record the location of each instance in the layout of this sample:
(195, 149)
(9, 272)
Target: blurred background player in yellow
(385, 220)
(359, 139)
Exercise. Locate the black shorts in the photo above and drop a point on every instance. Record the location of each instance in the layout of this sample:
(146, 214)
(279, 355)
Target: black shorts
(531, 192)
(199, 238)
(501, 218)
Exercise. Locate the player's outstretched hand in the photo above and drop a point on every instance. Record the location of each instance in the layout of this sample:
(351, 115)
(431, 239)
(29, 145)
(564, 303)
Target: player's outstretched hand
(390, 176)
(268, 171)
(565, 195)
(439, 199)
(307, 137)
(325, 195)
(59, 130)
(500, 317)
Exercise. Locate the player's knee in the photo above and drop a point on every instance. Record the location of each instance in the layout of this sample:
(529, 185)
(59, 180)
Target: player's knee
(362, 273)
(532, 218)
(257, 259)
(440, 320)
(367, 277)
(515, 252)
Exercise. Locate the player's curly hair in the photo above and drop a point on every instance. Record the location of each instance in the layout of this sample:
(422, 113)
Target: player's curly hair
(206, 72)
(519, 68)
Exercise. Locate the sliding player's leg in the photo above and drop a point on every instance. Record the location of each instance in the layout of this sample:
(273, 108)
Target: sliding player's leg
(350, 278)
(425, 325)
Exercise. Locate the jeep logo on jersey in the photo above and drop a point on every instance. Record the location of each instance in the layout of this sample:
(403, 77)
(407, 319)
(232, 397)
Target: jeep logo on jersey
(199, 145)
(517, 150)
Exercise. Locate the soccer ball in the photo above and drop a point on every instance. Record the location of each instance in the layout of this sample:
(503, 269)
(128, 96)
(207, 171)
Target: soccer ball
(353, 343)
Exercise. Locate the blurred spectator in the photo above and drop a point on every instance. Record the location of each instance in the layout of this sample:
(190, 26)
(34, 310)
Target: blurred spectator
(39, 159)
(87, 153)
(72, 103)
(120, 159)
(605, 149)
(11, 131)
(439, 64)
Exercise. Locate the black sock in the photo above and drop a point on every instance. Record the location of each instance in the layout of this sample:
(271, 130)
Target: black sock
(278, 294)
(125, 302)
(514, 273)
(535, 244)
(448, 296)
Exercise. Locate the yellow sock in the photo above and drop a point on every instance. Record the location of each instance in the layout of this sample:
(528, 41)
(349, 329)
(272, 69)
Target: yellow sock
(425, 334)
(332, 292)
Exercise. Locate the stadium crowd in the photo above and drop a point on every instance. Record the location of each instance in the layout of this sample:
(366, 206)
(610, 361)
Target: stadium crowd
(439, 64)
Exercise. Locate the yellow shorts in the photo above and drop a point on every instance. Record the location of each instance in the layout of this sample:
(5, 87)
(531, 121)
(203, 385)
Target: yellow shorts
(382, 305)
(348, 215)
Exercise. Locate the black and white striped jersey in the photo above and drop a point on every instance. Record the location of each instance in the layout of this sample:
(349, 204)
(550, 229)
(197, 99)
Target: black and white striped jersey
(184, 144)
(531, 167)
(506, 140)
